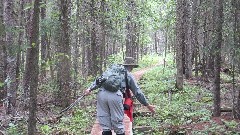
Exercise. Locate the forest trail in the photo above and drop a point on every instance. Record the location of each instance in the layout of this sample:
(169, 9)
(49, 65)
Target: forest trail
(96, 129)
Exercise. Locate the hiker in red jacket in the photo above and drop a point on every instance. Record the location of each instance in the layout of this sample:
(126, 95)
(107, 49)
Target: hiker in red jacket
(110, 110)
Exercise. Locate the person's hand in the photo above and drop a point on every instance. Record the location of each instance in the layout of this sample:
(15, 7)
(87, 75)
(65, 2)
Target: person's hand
(87, 92)
(151, 108)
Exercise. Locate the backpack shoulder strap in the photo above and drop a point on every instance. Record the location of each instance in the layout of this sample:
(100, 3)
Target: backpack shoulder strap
(127, 92)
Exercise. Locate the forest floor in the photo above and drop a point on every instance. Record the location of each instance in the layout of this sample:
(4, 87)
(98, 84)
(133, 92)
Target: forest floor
(226, 115)
(221, 121)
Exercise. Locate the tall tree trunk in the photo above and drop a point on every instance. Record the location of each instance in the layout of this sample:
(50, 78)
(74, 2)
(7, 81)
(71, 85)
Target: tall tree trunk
(180, 42)
(194, 35)
(236, 30)
(33, 68)
(188, 37)
(64, 51)
(49, 54)
(76, 49)
(94, 49)
(128, 37)
(131, 26)
(2, 54)
(20, 41)
(165, 48)
(209, 57)
(138, 41)
(217, 56)
(11, 55)
(26, 77)
(103, 35)
(43, 44)
(134, 41)
(155, 42)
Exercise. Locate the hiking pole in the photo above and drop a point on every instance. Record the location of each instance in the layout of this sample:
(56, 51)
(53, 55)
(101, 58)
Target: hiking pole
(73, 104)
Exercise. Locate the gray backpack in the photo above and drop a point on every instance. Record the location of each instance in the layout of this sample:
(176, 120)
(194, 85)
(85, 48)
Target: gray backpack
(113, 79)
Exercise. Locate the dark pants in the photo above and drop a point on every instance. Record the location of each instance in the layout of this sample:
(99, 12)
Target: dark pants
(110, 133)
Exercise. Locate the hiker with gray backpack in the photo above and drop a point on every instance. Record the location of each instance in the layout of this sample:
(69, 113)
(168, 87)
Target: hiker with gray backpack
(112, 86)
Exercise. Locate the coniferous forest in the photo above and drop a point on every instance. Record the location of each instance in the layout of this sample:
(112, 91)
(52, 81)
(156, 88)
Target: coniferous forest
(51, 51)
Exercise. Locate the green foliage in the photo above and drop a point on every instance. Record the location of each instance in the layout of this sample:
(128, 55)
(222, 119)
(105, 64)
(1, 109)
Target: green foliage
(231, 124)
(148, 60)
(14, 129)
(228, 128)
(78, 123)
(179, 108)
(29, 6)
(51, 86)
(226, 78)
(115, 59)
(46, 129)
(1, 84)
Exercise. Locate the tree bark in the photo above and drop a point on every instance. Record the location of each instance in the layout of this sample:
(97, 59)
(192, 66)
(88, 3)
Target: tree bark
(43, 44)
(180, 42)
(188, 42)
(11, 55)
(20, 64)
(194, 41)
(76, 49)
(217, 57)
(103, 36)
(26, 77)
(128, 37)
(33, 68)
(94, 46)
(2, 54)
(236, 37)
(155, 42)
(131, 28)
(64, 52)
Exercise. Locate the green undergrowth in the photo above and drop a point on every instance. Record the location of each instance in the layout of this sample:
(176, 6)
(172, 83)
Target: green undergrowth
(174, 108)
(148, 61)
(75, 122)
(144, 61)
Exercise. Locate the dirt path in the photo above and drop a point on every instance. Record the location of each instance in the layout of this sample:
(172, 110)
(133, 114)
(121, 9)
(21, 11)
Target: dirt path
(96, 129)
